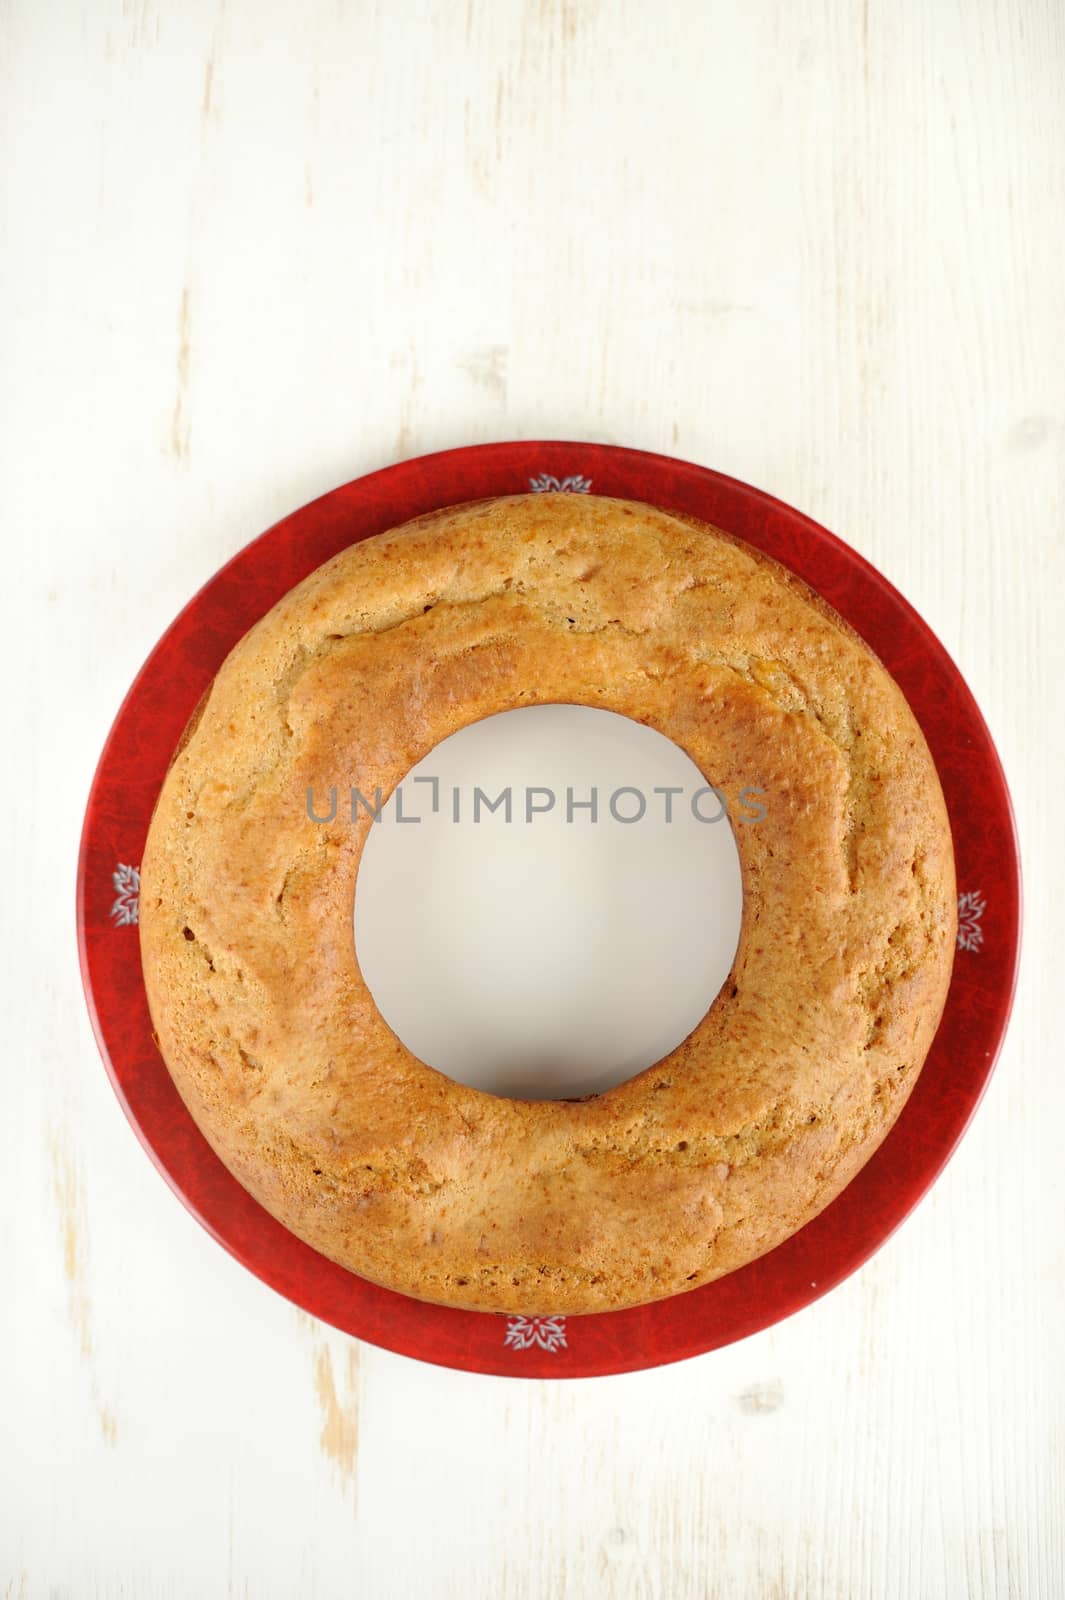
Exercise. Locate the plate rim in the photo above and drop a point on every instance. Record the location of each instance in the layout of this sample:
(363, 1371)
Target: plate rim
(544, 1362)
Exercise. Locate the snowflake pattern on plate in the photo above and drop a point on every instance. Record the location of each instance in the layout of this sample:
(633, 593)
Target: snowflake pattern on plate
(126, 882)
(547, 483)
(971, 907)
(532, 1333)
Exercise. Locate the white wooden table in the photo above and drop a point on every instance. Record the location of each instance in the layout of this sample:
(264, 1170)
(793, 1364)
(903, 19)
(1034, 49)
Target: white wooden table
(248, 251)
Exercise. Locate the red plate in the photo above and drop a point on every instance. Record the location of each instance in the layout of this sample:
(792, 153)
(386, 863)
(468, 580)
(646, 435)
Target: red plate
(813, 1260)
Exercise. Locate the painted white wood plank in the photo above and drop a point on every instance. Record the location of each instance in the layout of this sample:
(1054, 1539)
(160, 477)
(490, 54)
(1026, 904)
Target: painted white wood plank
(248, 251)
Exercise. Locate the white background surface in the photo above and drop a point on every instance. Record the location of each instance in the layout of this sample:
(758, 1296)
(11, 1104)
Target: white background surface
(529, 937)
(248, 251)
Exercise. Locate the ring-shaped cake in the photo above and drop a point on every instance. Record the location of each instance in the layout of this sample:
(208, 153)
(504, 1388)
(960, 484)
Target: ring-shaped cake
(707, 1159)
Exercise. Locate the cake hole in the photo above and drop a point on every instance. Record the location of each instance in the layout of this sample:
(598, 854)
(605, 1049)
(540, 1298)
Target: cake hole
(555, 948)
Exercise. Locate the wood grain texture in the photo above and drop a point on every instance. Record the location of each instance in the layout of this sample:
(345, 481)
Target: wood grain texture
(249, 251)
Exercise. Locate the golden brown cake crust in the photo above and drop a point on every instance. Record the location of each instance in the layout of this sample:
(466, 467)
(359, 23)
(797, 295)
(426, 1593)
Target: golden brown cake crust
(707, 1159)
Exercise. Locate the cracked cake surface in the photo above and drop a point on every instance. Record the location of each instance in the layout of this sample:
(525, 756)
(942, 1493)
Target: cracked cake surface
(772, 1103)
